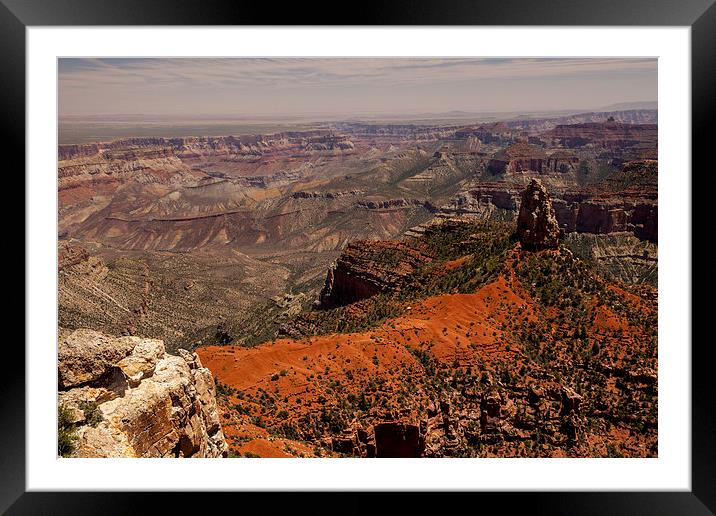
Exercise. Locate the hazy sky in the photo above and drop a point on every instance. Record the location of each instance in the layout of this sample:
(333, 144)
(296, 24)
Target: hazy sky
(291, 86)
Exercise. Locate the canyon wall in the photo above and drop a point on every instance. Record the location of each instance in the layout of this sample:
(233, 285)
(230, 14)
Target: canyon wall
(609, 135)
(247, 146)
(366, 268)
(582, 211)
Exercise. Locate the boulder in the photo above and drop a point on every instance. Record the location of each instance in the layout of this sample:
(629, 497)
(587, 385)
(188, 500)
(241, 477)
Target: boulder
(571, 401)
(141, 362)
(86, 355)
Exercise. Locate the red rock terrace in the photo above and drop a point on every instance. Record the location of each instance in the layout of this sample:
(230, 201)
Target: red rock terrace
(518, 158)
(356, 274)
(609, 135)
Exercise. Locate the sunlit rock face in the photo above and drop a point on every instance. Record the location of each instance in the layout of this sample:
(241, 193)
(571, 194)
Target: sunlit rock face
(129, 398)
(537, 225)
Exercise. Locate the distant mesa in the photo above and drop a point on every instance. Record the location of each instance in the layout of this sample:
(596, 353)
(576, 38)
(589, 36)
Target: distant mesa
(610, 134)
(537, 225)
(518, 158)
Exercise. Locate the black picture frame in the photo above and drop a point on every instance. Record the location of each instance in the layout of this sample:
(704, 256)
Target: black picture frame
(700, 15)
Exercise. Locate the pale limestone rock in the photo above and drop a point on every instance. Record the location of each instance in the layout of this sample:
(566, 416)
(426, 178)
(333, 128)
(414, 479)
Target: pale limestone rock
(86, 355)
(74, 399)
(167, 407)
(102, 442)
(141, 362)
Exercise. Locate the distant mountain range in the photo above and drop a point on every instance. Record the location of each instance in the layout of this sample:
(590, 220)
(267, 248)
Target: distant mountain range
(622, 106)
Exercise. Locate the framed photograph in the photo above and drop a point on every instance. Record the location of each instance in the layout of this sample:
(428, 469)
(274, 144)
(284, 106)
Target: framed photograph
(419, 252)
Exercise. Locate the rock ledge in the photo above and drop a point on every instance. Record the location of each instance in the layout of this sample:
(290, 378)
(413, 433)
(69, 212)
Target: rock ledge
(129, 398)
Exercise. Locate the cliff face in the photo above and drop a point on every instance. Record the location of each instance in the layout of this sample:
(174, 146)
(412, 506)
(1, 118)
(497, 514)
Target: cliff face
(561, 162)
(631, 212)
(367, 268)
(247, 146)
(518, 158)
(606, 134)
(127, 397)
(391, 132)
(580, 211)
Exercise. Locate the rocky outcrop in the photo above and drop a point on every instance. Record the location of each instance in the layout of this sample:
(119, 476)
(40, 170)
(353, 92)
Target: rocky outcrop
(389, 204)
(325, 195)
(128, 398)
(483, 199)
(86, 356)
(517, 159)
(472, 417)
(561, 162)
(280, 178)
(632, 211)
(399, 440)
(76, 257)
(367, 268)
(608, 135)
(522, 158)
(537, 226)
(248, 146)
(386, 439)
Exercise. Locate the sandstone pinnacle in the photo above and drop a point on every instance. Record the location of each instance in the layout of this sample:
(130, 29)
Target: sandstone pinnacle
(537, 226)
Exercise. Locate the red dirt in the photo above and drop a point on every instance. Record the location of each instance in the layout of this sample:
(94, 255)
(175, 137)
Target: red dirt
(444, 320)
(458, 329)
(477, 332)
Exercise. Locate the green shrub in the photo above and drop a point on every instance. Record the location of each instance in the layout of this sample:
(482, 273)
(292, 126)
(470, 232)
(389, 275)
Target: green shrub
(224, 390)
(93, 416)
(66, 432)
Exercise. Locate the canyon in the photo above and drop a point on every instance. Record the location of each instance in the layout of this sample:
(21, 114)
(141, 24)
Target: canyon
(370, 289)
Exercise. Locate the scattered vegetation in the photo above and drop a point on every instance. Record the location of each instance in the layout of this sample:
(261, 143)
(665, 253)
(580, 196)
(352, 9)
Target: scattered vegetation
(577, 345)
(224, 390)
(93, 416)
(66, 432)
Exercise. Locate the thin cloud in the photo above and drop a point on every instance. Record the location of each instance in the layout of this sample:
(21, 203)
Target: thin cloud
(94, 79)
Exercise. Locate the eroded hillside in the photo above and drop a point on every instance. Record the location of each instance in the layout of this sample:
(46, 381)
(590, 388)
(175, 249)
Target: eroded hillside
(475, 347)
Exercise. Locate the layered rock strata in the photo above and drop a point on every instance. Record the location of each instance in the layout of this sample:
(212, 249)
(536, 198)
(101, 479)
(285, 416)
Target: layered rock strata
(578, 211)
(367, 268)
(609, 135)
(518, 158)
(128, 398)
(306, 141)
